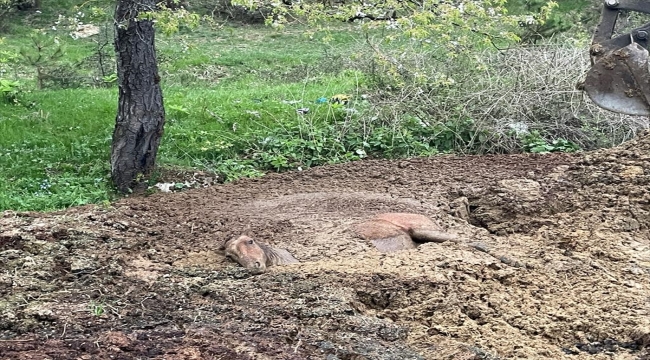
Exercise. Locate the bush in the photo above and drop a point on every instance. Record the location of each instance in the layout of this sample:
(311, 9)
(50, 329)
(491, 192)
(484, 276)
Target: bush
(503, 94)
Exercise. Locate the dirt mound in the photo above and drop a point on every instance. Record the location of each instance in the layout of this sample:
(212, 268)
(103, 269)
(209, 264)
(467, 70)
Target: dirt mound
(145, 279)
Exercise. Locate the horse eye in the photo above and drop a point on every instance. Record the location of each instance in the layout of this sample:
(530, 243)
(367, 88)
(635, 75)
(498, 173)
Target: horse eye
(250, 242)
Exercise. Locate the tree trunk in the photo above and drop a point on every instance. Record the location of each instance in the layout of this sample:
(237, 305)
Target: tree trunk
(140, 114)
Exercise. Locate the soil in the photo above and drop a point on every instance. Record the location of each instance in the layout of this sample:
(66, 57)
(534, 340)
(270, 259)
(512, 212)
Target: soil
(562, 269)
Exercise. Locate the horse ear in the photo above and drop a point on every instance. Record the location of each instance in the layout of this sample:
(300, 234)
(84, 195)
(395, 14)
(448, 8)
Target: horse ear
(225, 243)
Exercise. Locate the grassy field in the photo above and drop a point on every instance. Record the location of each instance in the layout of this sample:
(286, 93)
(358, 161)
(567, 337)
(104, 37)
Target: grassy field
(225, 92)
(243, 99)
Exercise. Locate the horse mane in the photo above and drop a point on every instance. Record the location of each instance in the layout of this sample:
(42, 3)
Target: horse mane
(276, 256)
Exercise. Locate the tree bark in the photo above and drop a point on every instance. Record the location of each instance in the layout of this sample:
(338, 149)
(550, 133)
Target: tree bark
(140, 114)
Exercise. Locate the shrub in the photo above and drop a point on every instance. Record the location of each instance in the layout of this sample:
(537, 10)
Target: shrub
(504, 94)
(9, 91)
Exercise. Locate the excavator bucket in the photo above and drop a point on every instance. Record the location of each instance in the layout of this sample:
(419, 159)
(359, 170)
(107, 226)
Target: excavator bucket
(620, 81)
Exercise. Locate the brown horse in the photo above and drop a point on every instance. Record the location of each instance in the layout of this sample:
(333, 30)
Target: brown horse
(256, 256)
(399, 231)
(387, 232)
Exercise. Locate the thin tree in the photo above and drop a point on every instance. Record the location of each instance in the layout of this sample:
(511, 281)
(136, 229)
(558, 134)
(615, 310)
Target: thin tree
(140, 114)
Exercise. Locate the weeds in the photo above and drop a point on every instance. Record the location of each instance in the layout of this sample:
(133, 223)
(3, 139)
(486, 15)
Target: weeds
(480, 99)
(9, 91)
(96, 309)
(533, 142)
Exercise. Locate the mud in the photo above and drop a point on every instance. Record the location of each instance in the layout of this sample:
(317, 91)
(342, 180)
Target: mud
(145, 279)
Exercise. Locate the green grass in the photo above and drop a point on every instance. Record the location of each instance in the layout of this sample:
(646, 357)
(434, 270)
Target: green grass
(222, 94)
(56, 155)
(231, 96)
(221, 122)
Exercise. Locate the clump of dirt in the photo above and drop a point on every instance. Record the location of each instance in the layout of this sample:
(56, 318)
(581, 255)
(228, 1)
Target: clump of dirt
(563, 269)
